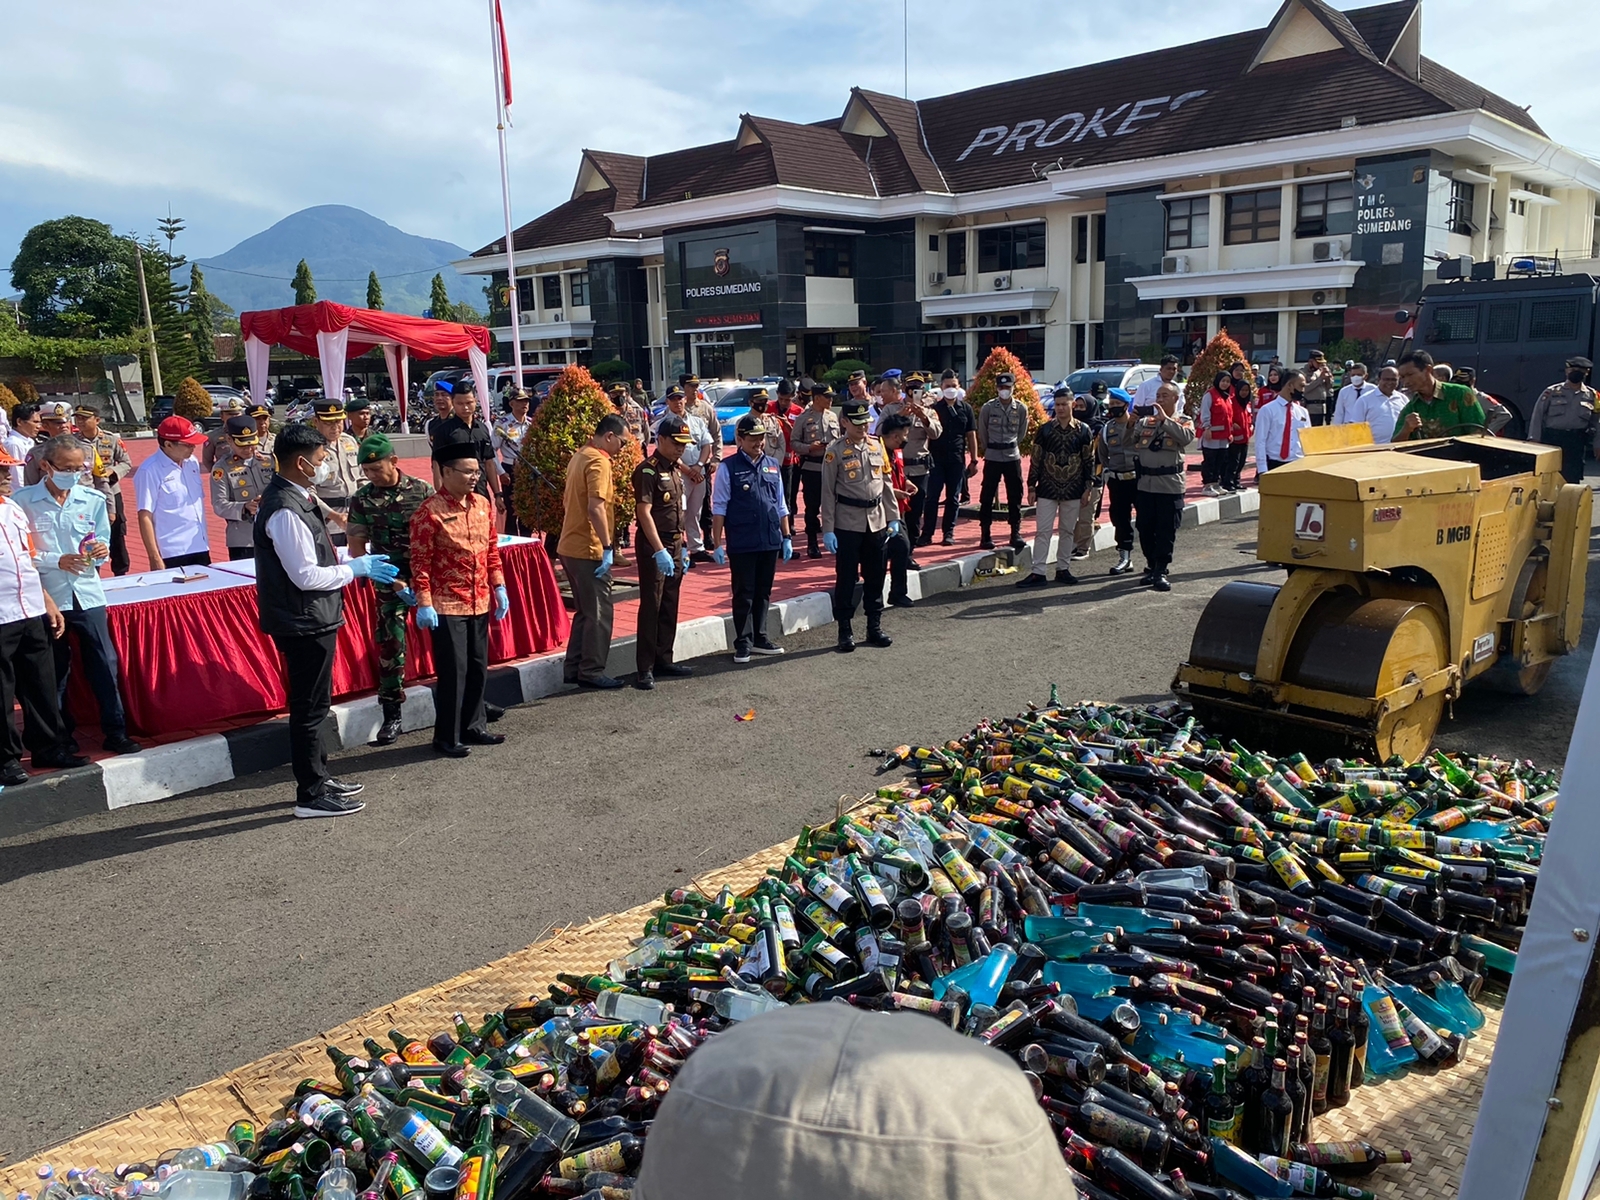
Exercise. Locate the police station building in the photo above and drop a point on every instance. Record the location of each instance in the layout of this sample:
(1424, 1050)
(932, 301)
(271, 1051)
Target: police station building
(1296, 184)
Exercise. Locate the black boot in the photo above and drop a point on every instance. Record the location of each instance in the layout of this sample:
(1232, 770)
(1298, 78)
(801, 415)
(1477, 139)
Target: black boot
(811, 549)
(875, 634)
(389, 731)
(985, 542)
(847, 638)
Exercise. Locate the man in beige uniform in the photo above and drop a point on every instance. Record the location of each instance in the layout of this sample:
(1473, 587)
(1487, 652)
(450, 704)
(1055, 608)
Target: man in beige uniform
(217, 440)
(237, 480)
(1159, 440)
(773, 444)
(814, 431)
(343, 453)
(696, 403)
(859, 514)
(925, 426)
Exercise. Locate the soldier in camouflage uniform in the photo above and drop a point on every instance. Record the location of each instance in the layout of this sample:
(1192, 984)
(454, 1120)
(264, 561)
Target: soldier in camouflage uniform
(380, 523)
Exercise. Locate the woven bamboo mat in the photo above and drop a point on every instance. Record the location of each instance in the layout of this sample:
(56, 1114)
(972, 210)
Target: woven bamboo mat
(1432, 1116)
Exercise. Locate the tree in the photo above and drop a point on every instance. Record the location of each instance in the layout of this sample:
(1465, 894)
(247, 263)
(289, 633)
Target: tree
(1219, 355)
(8, 399)
(983, 390)
(191, 400)
(564, 422)
(179, 355)
(838, 375)
(612, 370)
(374, 291)
(24, 391)
(439, 300)
(76, 277)
(305, 289)
(203, 316)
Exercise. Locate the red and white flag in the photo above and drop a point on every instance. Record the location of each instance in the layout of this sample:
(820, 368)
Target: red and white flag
(505, 56)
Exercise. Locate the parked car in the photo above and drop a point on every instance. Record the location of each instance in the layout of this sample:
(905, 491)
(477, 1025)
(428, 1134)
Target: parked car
(1126, 374)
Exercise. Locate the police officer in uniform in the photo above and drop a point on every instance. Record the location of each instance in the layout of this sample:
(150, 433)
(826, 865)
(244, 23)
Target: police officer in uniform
(1119, 473)
(859, 513)
(344, 471)
(380, 523)
(1158, 442)
(663, 553)
(814, 431)
(1564, 415)
(507, 435)
(747, 504)
(1002, 424)
(106, 465)
(925, 427)
(262, 415)
(773, 444)
(238, 478)
(217, 440)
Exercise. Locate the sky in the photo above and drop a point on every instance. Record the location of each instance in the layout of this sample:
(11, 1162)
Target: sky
(234, 116)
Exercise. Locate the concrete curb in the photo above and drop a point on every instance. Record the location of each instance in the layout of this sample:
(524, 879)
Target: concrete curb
(176, 768)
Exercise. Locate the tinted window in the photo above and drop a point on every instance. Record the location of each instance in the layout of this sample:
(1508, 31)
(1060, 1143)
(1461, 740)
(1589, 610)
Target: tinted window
(829, 255)
(1502, 321)
(1456, 323)
(955, 253)
(1011, 248)
(1553, 320)
(1254, 216)
(1189, 223)
(1324, 208)
(552, 290)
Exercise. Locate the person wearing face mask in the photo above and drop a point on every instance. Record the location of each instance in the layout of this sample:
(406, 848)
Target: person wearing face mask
(1497, 416)
(238, 477)
(1564, 415)
(1159, 441)
(1091, 410)
(814, 431)
(1382, 406)
(773, 444)
(1351, 403)
(953, 456)
(1216, 418)
(1119, 472)
(300, 596)
(925, 427)
(1279, 424)
(171, 498)
(1002, 424)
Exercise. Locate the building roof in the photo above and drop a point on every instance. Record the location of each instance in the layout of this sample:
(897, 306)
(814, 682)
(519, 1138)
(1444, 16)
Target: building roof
(1312, 69)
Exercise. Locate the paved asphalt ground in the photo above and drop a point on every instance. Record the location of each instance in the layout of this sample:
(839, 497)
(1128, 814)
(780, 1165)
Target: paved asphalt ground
(146, 950)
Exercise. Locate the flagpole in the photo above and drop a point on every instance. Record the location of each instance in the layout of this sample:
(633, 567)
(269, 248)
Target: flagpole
(496, 35)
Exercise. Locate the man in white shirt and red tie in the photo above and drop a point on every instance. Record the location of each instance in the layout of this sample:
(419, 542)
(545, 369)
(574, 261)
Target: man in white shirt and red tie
(1279, 423)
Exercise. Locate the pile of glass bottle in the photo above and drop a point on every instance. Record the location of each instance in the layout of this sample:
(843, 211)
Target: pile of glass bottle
(1192, 951)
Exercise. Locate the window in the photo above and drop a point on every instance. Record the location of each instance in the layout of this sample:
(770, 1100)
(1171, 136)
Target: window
(1462, 195)
(1080, 236)
(945, 352)
(1317, 330)
(1594, 248)
(933, 243)
(829, 255)
(580, 289)
(1518, 208)
(1080, 352)
(1099, 340)
(551, 284)
(525, 298)
(1502, 321)
(1324, 208)
(1189, 223)
(955, 253)
(1254, 216)
(1553, 320)
(1184, 336)
(1026, 344)
(1099, 237)
(1456, 323)
(1011, 247)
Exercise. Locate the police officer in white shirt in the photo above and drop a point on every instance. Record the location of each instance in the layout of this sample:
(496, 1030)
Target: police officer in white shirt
(1381, 406)
(1351, 403)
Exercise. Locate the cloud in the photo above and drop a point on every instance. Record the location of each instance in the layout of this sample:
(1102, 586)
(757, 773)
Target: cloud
(238, 115)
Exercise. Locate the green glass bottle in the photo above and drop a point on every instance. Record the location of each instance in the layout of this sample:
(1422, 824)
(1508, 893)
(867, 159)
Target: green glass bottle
(477, 1170)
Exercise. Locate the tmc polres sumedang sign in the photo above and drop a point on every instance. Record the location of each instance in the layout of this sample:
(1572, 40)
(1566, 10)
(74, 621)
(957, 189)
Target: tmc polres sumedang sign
(1040, 133)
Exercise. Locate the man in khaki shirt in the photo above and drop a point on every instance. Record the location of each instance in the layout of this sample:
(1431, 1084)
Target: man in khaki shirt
(814, 431)
(925, 427)
(696, 403)
(859, 514)
(586, 554)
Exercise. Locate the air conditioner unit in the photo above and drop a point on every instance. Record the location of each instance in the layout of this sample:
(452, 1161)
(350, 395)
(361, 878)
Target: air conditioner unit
(1232, 304)
(1175, 264)
(1183, 306)
(555, 316)
(935, 278)
(1002, 282)
(952, 322)
(1329, 251)
(983, 321)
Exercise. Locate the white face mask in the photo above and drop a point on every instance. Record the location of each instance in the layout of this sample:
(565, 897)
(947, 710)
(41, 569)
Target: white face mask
(1004, 393)
(323, 473)
(950, 393)
(1358, 380)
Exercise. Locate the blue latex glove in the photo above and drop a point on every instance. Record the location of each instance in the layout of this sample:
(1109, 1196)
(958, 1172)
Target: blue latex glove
(502, 604)
(604, 568)
(894, 528)
(683, 559)
(375, 567)
(427, 618)
(830, 543)
(788, 549)
(663, 561)
(719, 556)
(407, 597)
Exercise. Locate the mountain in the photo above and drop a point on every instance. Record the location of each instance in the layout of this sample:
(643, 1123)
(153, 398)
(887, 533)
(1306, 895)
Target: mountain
(340, 244)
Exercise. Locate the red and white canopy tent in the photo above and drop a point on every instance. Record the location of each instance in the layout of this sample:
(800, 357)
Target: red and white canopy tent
(332, 332)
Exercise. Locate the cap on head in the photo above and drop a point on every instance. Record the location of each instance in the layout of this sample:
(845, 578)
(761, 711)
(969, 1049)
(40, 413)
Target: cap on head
(453, 449)
(443, 385)
(857, 412)
(180, 429)
(1577, 360)
(261, 410)
(55, 410)
(748, 426)
(233, 404)
(617, 390)
(242, 429)
(688, 378)
(329, 410)
(375, 447)
(819, 388)
(675, 393)
(674, 429)
(855, 375)
(86, 410)
(1100, 389)
(892, 373)
(760, 394)
(357, 404)
(1004, 379)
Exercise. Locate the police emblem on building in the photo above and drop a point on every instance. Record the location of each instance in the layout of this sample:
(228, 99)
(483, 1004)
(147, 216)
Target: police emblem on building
(719, 261)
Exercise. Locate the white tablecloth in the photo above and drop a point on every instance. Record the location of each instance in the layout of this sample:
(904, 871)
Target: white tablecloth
(159, 585)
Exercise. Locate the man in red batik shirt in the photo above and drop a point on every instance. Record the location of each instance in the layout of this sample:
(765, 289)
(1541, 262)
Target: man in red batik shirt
(456, 573)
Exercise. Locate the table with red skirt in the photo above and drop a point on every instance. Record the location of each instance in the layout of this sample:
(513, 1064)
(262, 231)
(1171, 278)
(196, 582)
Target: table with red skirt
(193, 655)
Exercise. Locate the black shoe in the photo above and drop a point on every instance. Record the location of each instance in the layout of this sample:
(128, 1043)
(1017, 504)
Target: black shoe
(492, 712)
(450, 749)
(1017, 543)
(343, 787)
(328, 803)
(389, 731)
(473, 737)
(925, 540)
(985, 543)
(13, 773)
(1147, 578)
(646, 682)
(766, 648)
(603, 683)
(948, 539)
(1079, 555)
(877, 637)
(1162, 584)
(58, 762)
(1066, 577)
(702, 556)
(813, 552)
(847, 640)
(902, 602)
(673, 671)
(123, 745)
(913, 565)
(1032, 581)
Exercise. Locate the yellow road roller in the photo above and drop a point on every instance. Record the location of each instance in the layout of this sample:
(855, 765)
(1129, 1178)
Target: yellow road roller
(1413, 568)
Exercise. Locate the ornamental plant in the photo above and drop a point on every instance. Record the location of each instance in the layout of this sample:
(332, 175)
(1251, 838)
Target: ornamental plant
(8, 399)
(983, 390)
(564, 422)
(191, 400)
(1219, 355)
(24, 391)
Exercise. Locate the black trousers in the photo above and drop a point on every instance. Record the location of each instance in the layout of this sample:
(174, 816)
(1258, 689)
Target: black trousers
(1213, 464)
(811, 486)
(945, 478)
(1573, 443)
(1121, 494)
(791, 482)
(308, 663)
(201, 558)
(993, 473)
(119, 537)
(1157, 516)
(508, 501)
(28, 677)
(860, 555)
(897, 549)
(752, 590)
(1238, 453)
(912, 518)
(658, 609)
(235, 553)
(461, 670)
(99, 655)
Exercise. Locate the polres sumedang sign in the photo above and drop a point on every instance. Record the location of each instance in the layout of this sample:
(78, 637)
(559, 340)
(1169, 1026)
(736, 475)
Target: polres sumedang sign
(1107, 121)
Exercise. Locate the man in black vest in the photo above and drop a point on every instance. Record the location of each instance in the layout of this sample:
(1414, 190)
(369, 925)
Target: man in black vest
(748, 505)
(300, 592)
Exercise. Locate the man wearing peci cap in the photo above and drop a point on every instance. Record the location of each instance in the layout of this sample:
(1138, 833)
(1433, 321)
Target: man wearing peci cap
(380, 523)
(747, 503)
(1565, 415)
(106, 465)
(859, 514)
(238, 479)
(341, 474)
(814, 431)
(663, 557)
(1002, 424)
(170, 495)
